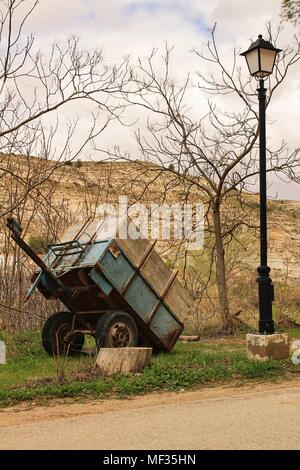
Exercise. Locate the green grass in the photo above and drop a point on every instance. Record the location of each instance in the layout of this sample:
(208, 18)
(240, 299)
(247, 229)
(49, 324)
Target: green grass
(32, 375)
(293, 332)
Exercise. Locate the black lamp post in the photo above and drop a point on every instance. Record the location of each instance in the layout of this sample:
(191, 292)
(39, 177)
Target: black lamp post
(260, 59)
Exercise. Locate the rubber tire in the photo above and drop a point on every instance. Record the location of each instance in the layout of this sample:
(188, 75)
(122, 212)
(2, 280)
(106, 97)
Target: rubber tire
(50, 327)
(105, 323)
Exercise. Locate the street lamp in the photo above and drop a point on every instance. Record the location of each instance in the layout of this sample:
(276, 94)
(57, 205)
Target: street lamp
(260, 59)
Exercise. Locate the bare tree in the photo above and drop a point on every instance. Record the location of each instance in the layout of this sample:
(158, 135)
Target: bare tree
(217, 152)
(290, 10)
(42, 93)
(36, 86)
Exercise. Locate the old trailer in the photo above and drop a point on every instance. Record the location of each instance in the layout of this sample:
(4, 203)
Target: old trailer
(116, 289)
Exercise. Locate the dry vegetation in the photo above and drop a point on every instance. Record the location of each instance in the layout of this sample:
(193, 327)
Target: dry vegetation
(72, 192)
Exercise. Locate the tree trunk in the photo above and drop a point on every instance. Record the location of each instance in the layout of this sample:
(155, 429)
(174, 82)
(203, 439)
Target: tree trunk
(113, 361)
(226, 318)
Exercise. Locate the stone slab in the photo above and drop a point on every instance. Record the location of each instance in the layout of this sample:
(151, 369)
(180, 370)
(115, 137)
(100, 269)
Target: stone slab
(2, 352)
(295, 345)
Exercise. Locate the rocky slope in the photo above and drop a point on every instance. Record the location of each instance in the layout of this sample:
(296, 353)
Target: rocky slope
(83, 186)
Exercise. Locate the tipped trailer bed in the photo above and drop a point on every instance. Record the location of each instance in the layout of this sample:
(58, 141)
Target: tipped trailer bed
(117, 290)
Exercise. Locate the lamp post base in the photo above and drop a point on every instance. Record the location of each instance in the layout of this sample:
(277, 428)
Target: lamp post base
(263, 347)
(266, 297)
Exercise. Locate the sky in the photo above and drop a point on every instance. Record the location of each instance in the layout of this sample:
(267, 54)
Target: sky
(122, 27)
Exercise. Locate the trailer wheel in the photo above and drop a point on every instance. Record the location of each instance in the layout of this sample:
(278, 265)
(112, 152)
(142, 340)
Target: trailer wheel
(116, 330)
(56, 336)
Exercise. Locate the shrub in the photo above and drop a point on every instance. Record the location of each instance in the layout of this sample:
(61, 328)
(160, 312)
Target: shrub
(77, 164)
(38, 243)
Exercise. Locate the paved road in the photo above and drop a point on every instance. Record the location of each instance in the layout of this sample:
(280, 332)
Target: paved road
(258, 417)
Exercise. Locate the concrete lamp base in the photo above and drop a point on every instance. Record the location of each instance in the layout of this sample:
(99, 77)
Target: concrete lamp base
(264, 347)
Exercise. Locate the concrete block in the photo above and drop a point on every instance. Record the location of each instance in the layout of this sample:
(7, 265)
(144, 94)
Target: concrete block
(2, 352)
(264, 347)
(295, 345)
(296, 357)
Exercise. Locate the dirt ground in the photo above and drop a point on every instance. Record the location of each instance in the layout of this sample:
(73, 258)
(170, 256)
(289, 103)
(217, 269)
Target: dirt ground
(261, 416)
(56, 409)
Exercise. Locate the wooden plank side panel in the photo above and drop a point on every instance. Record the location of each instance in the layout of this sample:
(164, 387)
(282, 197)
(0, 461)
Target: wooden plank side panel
(134, 249)
(156, 271)
(179, 301)
(158, 274)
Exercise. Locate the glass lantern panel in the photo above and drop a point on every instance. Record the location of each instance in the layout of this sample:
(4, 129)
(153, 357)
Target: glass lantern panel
(267, 59)
(252, 61)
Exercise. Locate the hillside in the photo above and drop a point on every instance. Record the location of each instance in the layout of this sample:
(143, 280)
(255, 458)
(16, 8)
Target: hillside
(80, 187)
